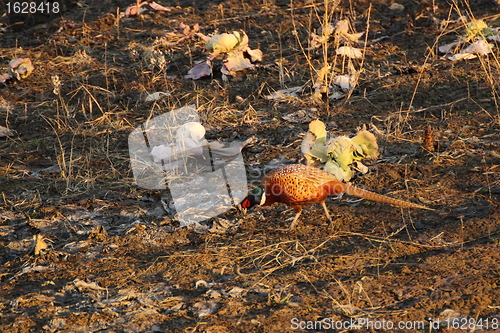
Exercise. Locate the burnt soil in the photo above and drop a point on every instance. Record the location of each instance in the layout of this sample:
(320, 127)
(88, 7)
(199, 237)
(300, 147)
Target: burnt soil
(111, 259)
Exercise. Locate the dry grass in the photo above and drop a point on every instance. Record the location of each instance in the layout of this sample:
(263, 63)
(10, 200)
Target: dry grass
(67, 176)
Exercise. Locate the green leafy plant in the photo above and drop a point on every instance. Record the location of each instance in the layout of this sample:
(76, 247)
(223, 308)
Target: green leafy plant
(338, 155)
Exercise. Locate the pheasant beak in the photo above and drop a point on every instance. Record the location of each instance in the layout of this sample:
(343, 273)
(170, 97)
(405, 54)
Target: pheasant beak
(242, 209)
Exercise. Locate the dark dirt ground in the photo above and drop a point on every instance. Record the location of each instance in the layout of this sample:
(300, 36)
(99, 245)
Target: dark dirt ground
(115, 260)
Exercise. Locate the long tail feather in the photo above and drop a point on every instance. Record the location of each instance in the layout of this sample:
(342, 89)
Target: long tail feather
(337, 187)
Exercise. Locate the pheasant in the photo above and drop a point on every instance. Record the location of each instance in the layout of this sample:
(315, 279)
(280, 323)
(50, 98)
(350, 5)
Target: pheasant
(299, 185)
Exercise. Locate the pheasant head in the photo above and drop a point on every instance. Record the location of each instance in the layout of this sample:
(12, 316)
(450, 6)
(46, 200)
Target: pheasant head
(256, 197)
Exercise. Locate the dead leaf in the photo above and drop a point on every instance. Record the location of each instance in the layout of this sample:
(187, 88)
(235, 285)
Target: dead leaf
(318, 40)
(19, 68)
(319, 85)
(284, 94)
(350, 52)
(476, 35)
(156, 96)
(335, 95)
(201, 283)
(133, 10)
(255, 55)
(448, 48)
(321, 88)
(396, 6)
(206, 308)
(236, 292)
(202, 69)
(158, 7)
(187, 30)
(236, 62)
(342, 33)
(227, 42)
(345, 82)
(4, 131)
(184, 28)
(479, 47)
(235, 46)
(462, 56)
(5, 77)
(360, 167)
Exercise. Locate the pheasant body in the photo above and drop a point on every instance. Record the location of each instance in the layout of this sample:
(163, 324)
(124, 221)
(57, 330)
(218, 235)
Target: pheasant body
(299, 185)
